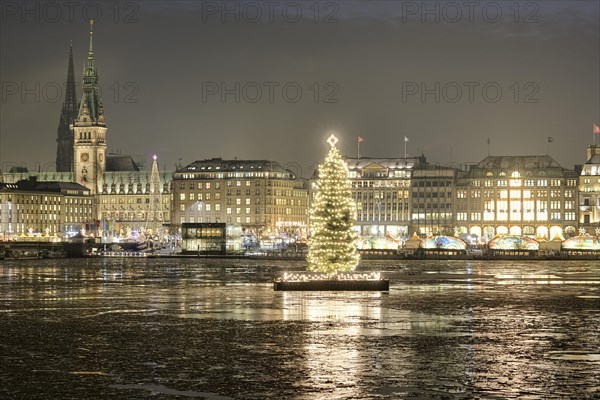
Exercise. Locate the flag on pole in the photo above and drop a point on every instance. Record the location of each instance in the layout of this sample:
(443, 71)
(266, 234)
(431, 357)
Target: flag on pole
(596, 128)
(405, 139)
(359, 139)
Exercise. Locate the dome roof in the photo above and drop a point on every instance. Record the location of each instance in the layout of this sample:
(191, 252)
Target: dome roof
(581, 242)
(513, 243)
(444, 242)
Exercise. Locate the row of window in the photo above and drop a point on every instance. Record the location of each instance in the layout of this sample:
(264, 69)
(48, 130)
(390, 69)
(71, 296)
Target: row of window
(217, 185)
(515, 194)
(137, 217)
(377, 195)
(360, 217)
(382, 206)
(131, 200)
(515, 216)
(382, 184)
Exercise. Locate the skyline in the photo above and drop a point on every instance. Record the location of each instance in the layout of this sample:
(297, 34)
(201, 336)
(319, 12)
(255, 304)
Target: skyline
(162, 79)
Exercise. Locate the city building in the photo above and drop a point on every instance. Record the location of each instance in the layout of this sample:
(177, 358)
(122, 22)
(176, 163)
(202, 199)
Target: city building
(263, 203)
(133, 203)
(381, 191)
(516, 195)
(130, 201)
(258, 200)
(432, 200)
(42, 209)
(204, 238)
(589, 192)
(398, 196)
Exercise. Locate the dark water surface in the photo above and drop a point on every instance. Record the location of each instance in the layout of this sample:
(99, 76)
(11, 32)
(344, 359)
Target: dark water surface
(215, 329)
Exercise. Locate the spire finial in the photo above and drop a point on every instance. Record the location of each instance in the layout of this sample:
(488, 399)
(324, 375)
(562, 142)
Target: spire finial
(91, 33)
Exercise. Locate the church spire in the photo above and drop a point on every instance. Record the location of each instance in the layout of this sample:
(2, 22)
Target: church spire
(64, 137)
(70, 95)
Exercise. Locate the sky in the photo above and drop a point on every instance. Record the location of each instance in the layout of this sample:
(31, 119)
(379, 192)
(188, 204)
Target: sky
(192, 80)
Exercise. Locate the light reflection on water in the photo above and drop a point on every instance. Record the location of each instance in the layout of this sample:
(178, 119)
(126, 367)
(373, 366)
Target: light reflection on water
(134, 328)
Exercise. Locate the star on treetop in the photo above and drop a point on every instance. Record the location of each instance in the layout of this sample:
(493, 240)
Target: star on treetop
(332, 140)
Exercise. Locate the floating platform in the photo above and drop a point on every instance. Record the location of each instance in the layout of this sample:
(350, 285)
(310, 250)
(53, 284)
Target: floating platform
(321, 282)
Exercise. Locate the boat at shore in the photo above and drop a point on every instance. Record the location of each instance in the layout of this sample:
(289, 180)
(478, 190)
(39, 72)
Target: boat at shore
(124, 254)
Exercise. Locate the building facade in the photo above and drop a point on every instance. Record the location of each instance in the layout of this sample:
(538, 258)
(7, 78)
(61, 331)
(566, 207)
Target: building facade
(133, 203)
(432, 200)
(33, 208)
(589, 192)
(516, 195)
(381, 189)
(258, 200)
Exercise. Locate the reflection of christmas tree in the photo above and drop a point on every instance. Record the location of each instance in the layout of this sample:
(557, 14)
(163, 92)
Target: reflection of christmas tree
(332, 246)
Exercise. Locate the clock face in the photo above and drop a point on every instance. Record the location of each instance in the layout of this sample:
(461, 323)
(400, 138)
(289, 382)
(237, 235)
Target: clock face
(85, 157)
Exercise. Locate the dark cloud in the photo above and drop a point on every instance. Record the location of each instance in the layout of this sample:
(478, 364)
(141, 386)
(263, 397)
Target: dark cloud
(154, 72)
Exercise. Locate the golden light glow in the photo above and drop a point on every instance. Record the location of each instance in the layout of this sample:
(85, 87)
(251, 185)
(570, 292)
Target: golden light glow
(332, 246)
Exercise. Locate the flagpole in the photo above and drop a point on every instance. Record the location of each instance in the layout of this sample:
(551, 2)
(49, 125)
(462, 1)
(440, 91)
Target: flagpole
(357, 148)
(405, 153)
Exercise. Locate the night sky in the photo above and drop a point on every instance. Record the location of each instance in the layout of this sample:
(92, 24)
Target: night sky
(361, 68)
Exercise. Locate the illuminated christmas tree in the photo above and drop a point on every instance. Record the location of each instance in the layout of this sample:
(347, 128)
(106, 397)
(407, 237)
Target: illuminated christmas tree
(332, 246)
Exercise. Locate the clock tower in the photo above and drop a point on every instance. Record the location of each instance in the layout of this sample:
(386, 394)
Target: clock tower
(89, 130)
